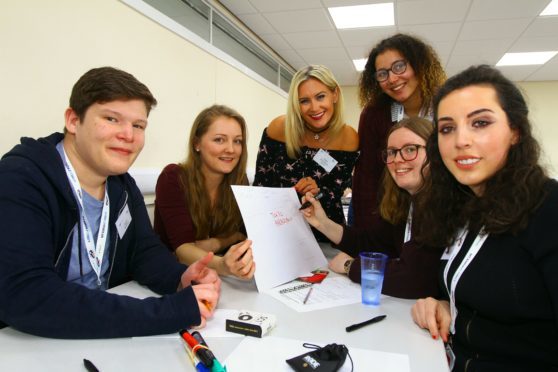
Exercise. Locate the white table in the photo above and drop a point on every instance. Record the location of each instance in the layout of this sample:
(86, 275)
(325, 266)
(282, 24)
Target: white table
(397, 334)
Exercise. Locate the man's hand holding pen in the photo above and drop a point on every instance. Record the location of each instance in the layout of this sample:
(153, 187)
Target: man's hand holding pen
(206, 285)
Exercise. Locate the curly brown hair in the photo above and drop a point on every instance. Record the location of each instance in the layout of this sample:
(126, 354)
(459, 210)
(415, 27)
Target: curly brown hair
(510, 195)
(421, 56)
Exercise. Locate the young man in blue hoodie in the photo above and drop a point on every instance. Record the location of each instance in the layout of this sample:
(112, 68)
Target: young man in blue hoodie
(73, 223)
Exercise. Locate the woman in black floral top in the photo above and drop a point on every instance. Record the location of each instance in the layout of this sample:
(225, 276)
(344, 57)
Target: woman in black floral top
(310, 148)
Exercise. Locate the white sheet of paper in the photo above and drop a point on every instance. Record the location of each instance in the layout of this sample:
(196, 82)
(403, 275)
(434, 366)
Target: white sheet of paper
(283, 245)
(333, 291)
(215, 327)
(270, 354)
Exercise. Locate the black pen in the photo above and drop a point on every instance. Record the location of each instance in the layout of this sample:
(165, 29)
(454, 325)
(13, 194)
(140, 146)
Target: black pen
(366, 322)
(90, 367)
(306, 204)
(307, 295)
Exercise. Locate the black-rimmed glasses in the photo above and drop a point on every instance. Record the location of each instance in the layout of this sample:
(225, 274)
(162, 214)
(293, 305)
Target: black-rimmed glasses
(407, 152)
(397, 67)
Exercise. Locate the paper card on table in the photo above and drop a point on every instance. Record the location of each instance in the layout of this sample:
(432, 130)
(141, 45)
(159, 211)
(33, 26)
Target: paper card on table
(283, 245)
(270, 354)
(333, 291)
(214, 327)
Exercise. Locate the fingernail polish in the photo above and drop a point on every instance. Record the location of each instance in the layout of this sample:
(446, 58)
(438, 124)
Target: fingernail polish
(434, 337)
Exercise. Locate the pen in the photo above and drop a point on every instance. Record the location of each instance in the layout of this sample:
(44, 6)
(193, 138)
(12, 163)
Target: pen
(200, 347)
(369, 321)
(199, 338)
(198, 365)
(202, 352)
(89, 366)
(207, 305)
(307, 203)
(307, 295)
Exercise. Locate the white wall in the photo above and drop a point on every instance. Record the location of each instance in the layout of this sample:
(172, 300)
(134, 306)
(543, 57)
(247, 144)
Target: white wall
(352, 106)
(47, 45)
(542, 98)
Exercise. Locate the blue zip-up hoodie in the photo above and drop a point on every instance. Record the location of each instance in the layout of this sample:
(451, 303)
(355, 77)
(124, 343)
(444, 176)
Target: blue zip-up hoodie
(38, 213)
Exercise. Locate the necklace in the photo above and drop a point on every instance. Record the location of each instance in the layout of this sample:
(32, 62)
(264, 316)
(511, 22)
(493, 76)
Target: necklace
(316, 132)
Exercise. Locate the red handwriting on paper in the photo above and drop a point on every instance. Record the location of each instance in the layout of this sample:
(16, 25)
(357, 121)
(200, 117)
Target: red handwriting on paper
(280, 219)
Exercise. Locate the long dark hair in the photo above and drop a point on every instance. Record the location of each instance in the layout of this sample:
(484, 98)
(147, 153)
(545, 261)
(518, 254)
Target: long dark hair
(509, 196)
(421, 56)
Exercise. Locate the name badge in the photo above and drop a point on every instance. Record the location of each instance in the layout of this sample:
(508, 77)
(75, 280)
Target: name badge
(123, 221)
(456, 245)
(325, 160)
(446, 255)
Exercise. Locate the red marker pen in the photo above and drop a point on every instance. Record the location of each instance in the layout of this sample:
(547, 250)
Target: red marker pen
(201, 351)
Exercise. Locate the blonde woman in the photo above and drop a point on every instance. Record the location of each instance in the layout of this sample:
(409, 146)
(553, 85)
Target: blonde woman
(195, 209)
(311, 147)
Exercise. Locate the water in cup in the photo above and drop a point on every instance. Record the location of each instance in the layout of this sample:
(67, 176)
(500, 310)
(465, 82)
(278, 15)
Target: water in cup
(371, 282)
(373, 265)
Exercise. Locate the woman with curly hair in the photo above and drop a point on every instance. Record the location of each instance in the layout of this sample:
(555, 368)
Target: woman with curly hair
(492, 204)
(399, 80)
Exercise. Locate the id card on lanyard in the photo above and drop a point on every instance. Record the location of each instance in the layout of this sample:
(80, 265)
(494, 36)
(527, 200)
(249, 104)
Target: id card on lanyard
(95, 252)
(469, 256)
(409, 225)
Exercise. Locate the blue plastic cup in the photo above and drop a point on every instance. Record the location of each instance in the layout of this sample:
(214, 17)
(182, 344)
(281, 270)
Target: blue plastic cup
(373, 267)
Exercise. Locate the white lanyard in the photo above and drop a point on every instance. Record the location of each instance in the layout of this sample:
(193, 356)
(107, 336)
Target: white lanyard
(471, 253)
(409, 224)
(398, 113)
(95, 253)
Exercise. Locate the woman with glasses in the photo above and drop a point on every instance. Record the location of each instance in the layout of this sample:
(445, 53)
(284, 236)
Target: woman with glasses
(399, 81)
(491, 203)
(412, 268)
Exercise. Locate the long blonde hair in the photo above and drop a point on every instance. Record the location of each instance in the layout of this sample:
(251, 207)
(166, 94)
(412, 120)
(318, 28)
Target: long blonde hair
(294, 124)
(395, 202)
(224, 217)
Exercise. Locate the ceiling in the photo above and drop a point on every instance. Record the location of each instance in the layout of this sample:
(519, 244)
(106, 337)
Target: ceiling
(463, 32)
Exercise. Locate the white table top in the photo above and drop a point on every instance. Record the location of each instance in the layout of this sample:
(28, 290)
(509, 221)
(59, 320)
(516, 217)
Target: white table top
(396, 334)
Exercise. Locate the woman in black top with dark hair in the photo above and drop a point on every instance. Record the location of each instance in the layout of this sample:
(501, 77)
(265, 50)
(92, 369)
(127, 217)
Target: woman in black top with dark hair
(492, 204)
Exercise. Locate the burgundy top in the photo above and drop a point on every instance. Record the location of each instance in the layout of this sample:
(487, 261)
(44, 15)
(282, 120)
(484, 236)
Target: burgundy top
(373, 128)
(412, 270)
(172, 221)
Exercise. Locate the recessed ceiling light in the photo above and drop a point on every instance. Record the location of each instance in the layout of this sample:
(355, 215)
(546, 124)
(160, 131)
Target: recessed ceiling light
(551, 9)
(531, 58)
(357, 16)
(360, 63)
